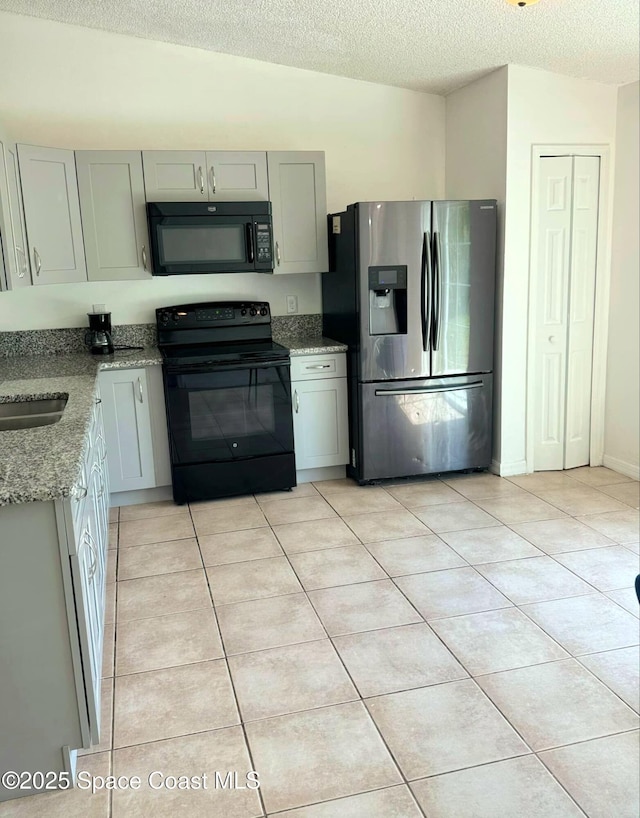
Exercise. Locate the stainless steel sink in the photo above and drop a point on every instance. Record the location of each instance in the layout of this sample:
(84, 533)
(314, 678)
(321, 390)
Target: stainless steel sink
(16, 409)
(30, 414)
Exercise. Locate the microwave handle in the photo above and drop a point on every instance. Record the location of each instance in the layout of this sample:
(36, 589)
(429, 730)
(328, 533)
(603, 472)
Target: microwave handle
(250, 242)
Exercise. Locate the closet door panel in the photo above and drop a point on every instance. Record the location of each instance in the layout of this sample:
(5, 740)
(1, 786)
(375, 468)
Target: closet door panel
(552, 294)
(582, 284)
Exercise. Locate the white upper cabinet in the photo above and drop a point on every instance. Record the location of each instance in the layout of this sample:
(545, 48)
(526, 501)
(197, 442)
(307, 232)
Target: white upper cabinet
(14, 263)
(237, 176)
(175, 176)
(297, 189)
(7, 257)
(52, 215)
(114, 220)
(22, 277)
(214, 176)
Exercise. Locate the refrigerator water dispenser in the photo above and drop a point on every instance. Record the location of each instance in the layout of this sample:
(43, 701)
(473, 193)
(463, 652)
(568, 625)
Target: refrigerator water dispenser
(388, 300)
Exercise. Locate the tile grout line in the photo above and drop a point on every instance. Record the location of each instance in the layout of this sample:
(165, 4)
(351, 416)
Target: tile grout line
(360, 699)
(226, 661)
(304, 590)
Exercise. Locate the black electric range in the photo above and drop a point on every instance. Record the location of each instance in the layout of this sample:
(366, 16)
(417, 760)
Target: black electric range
(228, 396)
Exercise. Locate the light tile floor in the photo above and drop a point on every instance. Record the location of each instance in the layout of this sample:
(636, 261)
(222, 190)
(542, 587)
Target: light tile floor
(464, 647)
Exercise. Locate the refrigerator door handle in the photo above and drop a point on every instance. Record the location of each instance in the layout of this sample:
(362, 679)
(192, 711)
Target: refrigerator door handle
(423, 390)
(437, 292)
(425, 290)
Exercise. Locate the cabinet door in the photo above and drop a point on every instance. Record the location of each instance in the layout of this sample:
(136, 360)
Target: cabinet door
(159, 433)
(297, 189)
(23, 271)
(237, 176)
(175, 176)
(320, 425)
(114, 219)
(127, 428)
(89, 579)
(7, 256)
(52, 215)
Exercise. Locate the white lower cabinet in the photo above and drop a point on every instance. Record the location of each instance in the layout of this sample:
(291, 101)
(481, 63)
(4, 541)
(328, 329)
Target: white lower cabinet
(87, 545)
(320, 414)
(52, 609)
(135, 428)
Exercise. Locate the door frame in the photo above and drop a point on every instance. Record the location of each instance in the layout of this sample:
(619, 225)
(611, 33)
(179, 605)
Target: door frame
(601, 304)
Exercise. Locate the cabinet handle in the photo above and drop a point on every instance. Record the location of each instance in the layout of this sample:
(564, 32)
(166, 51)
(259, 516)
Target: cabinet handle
(97, 467)
(201, 178)
(277, 254)
(140, 393)
(318, 366)
(296, 401)
(144, 258)
(103, 447)
(94, 555)
(22, 267)
(79, 492)
(37, 261)
(213, 179)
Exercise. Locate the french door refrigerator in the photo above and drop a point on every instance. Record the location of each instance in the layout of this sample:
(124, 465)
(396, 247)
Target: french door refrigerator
(411, 292)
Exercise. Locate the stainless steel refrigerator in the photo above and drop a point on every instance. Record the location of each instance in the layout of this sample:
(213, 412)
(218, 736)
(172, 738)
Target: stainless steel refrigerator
(411, 291)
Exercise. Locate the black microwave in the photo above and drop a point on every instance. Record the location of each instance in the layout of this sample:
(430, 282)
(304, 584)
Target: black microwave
(210, 237)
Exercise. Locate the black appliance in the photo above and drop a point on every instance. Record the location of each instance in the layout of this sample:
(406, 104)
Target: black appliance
(98, 337)
(206, 237)
(228, 396)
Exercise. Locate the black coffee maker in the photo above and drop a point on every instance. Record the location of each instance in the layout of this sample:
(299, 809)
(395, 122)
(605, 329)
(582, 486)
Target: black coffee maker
(98, 337)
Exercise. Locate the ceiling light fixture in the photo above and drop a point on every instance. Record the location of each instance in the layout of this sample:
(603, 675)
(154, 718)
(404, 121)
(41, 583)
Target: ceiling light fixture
(522, 3)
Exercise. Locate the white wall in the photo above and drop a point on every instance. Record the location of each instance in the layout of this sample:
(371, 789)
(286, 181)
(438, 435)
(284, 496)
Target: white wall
(622, 415)
(492, 126)
(476, 168)
(543, 108)
(73, 87)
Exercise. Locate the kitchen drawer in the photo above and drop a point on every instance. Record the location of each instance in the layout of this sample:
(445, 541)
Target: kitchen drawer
(313, 367)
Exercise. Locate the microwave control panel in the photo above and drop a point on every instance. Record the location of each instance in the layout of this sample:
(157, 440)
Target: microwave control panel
(263, 242)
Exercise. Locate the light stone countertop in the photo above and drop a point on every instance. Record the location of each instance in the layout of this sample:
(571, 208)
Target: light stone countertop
(43, 463)
(310, 344)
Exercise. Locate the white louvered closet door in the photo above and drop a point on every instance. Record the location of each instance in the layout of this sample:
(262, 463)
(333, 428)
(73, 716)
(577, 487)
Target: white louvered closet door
(565, 277)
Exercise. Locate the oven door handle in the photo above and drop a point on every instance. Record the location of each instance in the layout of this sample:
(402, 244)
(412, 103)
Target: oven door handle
(250, 253)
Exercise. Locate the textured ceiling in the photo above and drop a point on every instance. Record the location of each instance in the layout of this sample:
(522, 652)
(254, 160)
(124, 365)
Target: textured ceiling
(427, 45)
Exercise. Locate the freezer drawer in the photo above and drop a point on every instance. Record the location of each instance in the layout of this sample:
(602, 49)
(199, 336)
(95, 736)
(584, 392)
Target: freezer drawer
(424, 426)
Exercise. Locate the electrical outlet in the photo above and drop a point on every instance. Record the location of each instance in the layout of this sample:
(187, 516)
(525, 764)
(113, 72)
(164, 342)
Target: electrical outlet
(292, 304)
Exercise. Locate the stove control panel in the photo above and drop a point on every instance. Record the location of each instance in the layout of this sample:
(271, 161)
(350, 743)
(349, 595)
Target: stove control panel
(215, 314)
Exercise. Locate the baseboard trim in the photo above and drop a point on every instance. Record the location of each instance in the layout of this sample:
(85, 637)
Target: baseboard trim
(326, 473)
(134, 498)
(621, 466)
(508, 469)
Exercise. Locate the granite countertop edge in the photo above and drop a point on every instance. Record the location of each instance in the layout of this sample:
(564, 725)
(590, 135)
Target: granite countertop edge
(310, 345)
(43, 464)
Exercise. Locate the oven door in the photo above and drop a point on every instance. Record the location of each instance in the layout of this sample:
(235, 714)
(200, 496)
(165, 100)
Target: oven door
(228, 413)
